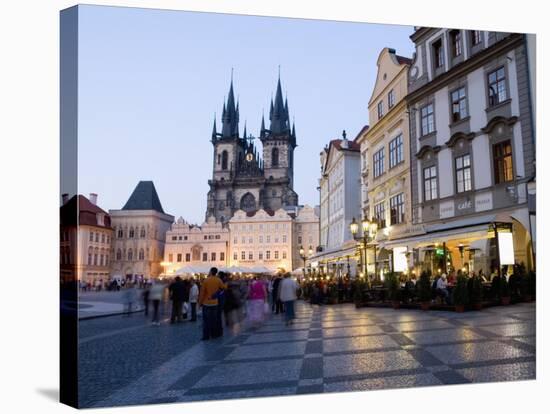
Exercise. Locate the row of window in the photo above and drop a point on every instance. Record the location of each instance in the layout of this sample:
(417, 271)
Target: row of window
(130, 255)
(502, 170)
(391, 104)
(260, 255)
(98, 259)
(179, 257)
(497, 94)
(276, 239)
(261, 226)
(132, 233)
(396, 153)
(97, 237)
(397, 211)
(455, 46)
(206, 237)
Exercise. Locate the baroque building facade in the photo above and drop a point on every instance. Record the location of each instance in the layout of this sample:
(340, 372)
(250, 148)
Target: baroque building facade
(139, 234)
(242, 179)
(472, 143)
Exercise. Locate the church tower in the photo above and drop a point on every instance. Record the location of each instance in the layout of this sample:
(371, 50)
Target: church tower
(278, 143)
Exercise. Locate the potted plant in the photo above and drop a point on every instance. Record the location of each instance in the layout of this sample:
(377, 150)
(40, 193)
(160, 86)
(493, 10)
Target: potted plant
(460, 293)
(391, 283)
(527, 286)
(424, 287)
(504, 291)
(476, 296)
(358, 292)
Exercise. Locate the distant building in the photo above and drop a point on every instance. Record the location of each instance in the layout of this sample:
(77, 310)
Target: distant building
(242, 179)
(262, 238)
(305, 234)
(86, 235)
(188, 244)
(340, 186)
(139, 234)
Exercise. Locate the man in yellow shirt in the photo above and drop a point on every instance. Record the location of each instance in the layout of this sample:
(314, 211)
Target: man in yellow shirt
(208, 299)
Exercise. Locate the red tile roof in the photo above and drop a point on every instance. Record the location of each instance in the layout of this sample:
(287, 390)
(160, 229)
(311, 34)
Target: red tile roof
(86, 212)
(403, 60)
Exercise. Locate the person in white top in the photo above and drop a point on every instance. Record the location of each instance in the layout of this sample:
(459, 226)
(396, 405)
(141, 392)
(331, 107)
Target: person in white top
(193, 297)
(441, 288)
(287, 295)
(155, 296)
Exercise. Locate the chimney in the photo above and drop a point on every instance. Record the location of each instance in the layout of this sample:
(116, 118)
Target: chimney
(93, 198)
(64, 198)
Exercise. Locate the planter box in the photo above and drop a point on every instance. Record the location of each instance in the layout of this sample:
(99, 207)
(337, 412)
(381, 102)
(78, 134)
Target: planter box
(395, 304)
(477, 306)
(425, 306)
(505, 300)
(459, 308)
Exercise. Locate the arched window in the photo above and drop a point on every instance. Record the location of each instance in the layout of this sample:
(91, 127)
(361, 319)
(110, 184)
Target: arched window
(119, 254)
(142, 233)
(90, 255)
(130, 255)
(248, 202)
(107, 259)
(141, 254)
(120, 234)
(224, 160)
(131, 233)
(275, 157)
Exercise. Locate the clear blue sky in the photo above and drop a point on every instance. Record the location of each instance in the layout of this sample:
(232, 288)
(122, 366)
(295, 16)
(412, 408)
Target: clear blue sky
(150, 82)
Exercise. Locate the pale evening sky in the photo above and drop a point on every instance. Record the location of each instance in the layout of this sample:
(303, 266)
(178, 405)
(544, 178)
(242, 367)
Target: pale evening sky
(150, 82)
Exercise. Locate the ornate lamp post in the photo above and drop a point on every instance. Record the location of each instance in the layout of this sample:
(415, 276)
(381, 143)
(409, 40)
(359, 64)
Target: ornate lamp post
(303, 256)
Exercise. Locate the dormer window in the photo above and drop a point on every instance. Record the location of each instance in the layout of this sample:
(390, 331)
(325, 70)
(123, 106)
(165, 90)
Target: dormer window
(380, 109)
(456, 43)
(475, 37)
(391, 99)
(438, 53)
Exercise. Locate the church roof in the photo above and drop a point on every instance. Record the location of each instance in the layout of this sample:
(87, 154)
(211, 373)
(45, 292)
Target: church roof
(144, 197)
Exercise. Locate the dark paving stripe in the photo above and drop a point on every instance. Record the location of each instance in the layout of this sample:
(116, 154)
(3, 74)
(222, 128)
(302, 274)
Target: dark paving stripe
(314, 347)
(166, 400)
(241, 387)
(310, 389)
(505, 361)
(262, 359)
(401, 339)
(239, 339)
(312, 368)
(388, 328)
(425, 358)
(218, 353)
(520, 345)
(451, 377)
(315, 334)
(362, 351)
(373, 375)
(191, 378)
(284, 329)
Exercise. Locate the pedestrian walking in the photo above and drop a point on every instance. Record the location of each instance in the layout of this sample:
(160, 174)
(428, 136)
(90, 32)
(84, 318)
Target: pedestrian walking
(145, 296)
(288, 296)
(257, 300)
(193, 298)
(130, 297)
(185, 306)
(176, 290)
(208, 299)
(277, 306)
(155, 295)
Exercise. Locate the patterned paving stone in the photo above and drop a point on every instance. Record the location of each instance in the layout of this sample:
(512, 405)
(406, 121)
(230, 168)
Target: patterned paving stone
(518, 329)
(312, 368)
(413, 326)
(359, 343)
(354, 364)
(277, 337)
(443, 336)
(475, 352)
(401, 381)
(352, 331)
(450, 377)
(268, 351)
(506, 372)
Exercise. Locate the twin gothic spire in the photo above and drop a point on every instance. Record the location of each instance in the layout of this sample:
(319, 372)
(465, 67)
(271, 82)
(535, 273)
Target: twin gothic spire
(278, 116)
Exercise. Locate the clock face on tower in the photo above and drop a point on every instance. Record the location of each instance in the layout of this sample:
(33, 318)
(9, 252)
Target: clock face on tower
(249, 157)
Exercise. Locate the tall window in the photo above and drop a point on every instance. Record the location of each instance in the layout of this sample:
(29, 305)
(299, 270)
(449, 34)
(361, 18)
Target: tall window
(430, 183)
(97, 237)
(427, 124)
(438, 54)
(222, 256)
(497, 86)
(391, 99)
(95, 259)
(284, 238)
(250, 256)
(380, 214)
(275, 157)
(396, 151)
(380, 109)
(89, 259)
(463, 173)
(502, 162)
(92, 236)
(142, 233)
(179, 256)
(102, 238)
(213, 256)
(397, 209)
(119, 254)
(458, 104)
(141, 254)
(130, 255)
(170, 257)
(276, 254)
(475, 37)
(378, 162)
(243, 255)
(131, 233)
(268, 239)
(268, 254)
(234, 255)
(205, 257)
(284, 254)
(224, 160)
(120, 234)
(187, 257)
(456, 43)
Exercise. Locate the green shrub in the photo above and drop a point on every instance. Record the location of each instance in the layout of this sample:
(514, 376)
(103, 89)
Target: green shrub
(391, 282)
(504, 287)
(460, 292)
(424, 287)
(477, 290)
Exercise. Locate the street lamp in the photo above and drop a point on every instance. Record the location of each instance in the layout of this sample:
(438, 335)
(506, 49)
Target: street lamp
(303, 256)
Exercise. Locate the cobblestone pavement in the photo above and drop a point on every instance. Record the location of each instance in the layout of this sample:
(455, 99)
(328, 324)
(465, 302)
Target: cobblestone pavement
(126, 361)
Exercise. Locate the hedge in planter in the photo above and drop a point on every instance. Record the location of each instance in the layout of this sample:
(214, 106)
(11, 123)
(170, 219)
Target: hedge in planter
(476, 296)
(424, 287)
(460, 293)
(504, 291)
(391, 283)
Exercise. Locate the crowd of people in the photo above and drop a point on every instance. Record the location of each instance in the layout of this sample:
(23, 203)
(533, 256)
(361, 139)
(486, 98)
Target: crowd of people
(221, 298)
